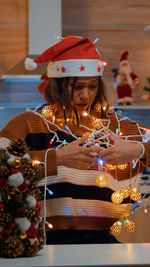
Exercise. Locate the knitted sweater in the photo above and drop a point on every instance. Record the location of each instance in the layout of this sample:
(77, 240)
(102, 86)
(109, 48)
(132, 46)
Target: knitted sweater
(75, 202)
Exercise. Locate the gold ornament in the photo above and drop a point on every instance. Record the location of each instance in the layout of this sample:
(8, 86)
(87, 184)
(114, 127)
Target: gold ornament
(47, 112)
(129, 226)
(116, 228)
(16, 163)
(122, 166)
(135, 194)
(23, 234)
(125, 191)
(110, 167)
(101, 180)
(117, 198)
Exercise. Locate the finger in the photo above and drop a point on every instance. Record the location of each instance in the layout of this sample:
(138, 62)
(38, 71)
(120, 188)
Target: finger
(89, 159)
(92, 151)
(106, 152)
(115, 138)
(81, 140)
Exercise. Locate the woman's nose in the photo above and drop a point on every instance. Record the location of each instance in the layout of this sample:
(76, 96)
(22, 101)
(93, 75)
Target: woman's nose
(84, 94)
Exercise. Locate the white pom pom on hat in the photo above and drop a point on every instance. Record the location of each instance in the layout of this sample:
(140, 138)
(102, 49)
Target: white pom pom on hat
(30, 64)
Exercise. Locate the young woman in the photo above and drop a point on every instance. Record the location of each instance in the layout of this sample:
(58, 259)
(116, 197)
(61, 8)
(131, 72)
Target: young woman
(75, 138)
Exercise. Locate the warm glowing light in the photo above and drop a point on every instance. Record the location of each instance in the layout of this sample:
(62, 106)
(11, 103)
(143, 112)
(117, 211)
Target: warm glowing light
(89, 136)
(105, 63)
(135, 194)
(110, 167)
(35, 162)
(122, 166)
(117, 198)
(101, 180)
(145, 210)
(51, 141)
(129, 226)
(120, 133)
(125, 191)
(53, 119)
(85, 113)
(50, 225)
(116, 228)
(57, 37)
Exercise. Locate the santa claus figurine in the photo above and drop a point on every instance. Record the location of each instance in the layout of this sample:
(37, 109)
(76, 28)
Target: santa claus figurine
(125, 81)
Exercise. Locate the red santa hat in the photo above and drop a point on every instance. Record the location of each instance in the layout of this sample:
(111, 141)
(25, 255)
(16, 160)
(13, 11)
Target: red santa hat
(71, 57)
(123, 58)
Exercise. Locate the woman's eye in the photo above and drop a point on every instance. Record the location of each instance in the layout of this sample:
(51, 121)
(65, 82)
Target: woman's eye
(93, 86)
(78, 87)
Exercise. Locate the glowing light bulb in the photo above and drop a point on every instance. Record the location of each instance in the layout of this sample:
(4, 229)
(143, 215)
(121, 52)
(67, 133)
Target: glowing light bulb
(110, 167)
(65, 142)
(101, 180)
(50, 225)
(35, 162)
(116, 228)
(53, 119)
(145, 210)
(100, 161)
(125, 191)
(57, 37)
(51, 141)
(129, 226)
(117, 198)
(96, 40)
(135, 194)
(105, 63)
(85, 114)
(122, 166)
(50, 192)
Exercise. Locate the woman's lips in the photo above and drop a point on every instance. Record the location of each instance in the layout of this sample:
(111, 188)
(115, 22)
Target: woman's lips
(82, 105)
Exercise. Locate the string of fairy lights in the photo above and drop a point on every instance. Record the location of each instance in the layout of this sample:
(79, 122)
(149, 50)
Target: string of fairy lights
(99, 137)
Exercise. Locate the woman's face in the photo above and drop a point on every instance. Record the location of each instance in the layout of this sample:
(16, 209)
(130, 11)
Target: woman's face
(85, 91)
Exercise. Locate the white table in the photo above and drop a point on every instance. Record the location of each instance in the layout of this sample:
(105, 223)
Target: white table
(86, 255)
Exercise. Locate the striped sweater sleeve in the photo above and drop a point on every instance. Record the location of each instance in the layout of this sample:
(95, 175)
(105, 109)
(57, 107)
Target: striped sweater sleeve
(20, 127)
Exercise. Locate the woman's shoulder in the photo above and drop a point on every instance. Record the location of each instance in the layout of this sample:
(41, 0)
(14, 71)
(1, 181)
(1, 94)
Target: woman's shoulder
(27, 115)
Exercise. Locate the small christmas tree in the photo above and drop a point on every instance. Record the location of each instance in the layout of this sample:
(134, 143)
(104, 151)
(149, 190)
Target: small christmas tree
(21, 227)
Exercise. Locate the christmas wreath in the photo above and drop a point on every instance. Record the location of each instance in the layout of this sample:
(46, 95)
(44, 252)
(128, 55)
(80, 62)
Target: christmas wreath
(21, 226)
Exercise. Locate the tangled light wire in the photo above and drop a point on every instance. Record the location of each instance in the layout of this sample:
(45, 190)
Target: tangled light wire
(104, 133)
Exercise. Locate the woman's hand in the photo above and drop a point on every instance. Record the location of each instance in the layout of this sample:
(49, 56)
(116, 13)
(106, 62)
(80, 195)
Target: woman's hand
(79, 157)
(121, 151)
